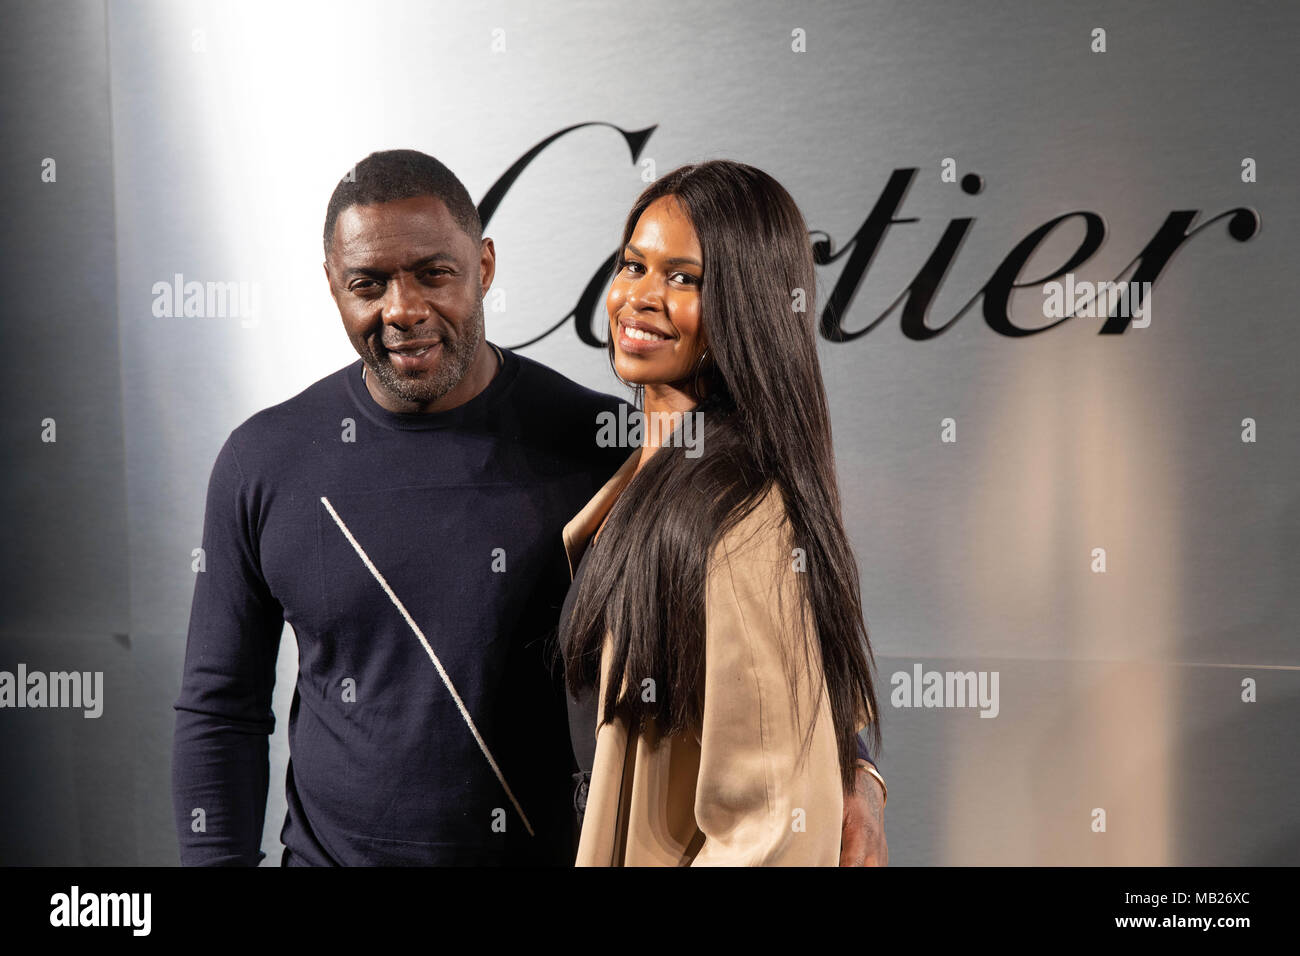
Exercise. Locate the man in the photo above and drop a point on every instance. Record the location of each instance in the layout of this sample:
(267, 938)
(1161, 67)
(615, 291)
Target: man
(403, 514)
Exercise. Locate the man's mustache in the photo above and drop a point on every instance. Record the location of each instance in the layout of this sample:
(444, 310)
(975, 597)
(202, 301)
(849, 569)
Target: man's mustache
(413, 345)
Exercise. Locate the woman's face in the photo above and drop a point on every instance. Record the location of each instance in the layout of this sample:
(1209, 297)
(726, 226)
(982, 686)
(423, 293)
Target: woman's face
(654, 302)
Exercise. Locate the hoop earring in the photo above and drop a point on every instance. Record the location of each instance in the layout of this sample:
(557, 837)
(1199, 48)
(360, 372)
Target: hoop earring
(699, 367)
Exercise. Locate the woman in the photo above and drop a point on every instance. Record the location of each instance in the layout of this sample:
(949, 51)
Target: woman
(716, 606)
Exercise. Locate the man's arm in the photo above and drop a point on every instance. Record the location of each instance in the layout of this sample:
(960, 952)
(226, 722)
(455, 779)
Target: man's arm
(223, 714)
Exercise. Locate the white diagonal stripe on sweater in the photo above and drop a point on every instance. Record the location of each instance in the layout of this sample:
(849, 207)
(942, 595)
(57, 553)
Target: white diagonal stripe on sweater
(460, 704)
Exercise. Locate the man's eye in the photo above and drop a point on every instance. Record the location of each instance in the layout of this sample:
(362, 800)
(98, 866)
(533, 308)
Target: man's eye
(435, 273)
(363, 285)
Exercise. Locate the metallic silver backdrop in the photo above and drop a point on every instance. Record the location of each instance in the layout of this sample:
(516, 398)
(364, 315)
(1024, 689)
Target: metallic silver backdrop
(203, 139)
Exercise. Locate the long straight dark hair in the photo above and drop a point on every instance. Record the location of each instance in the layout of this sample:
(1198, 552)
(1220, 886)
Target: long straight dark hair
(766, 424)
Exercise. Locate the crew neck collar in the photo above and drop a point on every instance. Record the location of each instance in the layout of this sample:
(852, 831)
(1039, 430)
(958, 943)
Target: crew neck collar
(423, 421)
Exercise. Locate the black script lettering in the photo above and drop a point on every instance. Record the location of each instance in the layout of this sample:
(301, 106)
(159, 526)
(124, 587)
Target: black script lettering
(997, 291)
(1167, 240)
(863, 245)
(636, 140)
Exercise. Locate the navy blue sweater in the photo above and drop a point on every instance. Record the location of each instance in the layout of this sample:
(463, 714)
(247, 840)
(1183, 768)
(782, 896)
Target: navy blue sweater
(461, 513)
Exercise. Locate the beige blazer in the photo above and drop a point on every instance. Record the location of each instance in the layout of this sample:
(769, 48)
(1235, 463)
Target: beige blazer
(736, 794)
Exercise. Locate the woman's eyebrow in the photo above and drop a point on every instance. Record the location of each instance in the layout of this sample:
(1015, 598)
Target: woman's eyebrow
(674, 261)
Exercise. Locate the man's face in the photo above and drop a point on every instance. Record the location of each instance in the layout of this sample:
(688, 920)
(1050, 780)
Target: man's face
(409, 284)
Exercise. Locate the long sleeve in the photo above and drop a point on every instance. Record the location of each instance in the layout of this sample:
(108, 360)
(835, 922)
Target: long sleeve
(759, 799)
(223, 714)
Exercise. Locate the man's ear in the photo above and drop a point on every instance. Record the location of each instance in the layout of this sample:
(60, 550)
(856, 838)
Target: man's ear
(329, 280)
(487, 265)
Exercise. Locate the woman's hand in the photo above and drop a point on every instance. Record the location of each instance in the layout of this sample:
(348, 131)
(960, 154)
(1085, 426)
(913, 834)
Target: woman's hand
(862, 837)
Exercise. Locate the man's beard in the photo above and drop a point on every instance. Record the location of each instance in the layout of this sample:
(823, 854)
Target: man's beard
(457, 355)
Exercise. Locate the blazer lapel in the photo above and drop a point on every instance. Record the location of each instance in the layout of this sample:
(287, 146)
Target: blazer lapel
(579, 530)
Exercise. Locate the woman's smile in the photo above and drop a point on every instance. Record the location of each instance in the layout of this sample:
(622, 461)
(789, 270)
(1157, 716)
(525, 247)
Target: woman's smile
(636, 337)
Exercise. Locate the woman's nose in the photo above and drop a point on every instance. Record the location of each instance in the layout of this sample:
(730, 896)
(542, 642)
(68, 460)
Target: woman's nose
(645, 294)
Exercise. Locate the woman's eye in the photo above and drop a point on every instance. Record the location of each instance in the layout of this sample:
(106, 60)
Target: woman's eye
(685, 277)
(629, 264)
